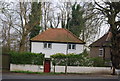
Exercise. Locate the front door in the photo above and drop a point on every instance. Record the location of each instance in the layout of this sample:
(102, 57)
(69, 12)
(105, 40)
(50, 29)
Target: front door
(47, 65)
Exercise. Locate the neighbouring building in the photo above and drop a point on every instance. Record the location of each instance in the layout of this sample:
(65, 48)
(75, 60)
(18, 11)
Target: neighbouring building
(56, 40)
(100, 48)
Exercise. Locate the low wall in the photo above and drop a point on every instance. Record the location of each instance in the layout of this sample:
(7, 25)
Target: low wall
(71, 69)
(20, 67)
(78, 69)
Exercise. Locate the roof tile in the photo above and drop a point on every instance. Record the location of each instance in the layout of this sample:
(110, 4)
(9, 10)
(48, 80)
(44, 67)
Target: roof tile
(57, 35)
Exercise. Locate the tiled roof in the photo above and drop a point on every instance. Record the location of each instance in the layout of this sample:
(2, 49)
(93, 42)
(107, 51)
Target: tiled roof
(100, 42)
(57, 35)
(104, 40)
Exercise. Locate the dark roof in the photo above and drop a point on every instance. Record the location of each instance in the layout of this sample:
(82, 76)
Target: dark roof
(57, 35)
(104, 40)
(100, 42)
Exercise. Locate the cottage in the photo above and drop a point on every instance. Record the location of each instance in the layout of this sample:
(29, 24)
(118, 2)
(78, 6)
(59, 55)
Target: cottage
(56, 40)
(100, 48)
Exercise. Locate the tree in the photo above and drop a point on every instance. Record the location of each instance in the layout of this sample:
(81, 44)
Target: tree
(90, 23)
(25, 26)
(47, 15)
(111, 11)
(7, 23)
(35, 16)
(76, 20)
(27, 22)
(84, 22)
(65, 13)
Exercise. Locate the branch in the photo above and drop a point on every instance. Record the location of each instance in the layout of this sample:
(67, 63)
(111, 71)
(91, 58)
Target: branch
(17, 30)
(102, 7)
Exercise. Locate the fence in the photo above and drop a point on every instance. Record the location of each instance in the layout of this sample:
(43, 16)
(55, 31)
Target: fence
(5, 66)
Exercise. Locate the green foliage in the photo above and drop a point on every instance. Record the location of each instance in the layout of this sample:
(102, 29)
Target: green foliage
(58, 59)
(97, 62)
(77, 60)
(77, 22)
(58, 55)
(26, 58)
(35, 31)
(73, 59)
(35, 18)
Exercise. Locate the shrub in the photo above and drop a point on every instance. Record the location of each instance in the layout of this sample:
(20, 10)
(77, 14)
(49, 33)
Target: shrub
(26, 58)
(97, 62)
(77, 60)
(73, 59)
(58, 59)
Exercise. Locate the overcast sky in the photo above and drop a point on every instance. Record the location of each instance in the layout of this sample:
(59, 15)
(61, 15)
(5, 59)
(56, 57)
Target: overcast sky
(104, 27)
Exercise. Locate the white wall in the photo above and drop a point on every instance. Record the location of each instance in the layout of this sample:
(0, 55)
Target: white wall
(80, 69)
(27, 67)
(71, 69)
(37, 47)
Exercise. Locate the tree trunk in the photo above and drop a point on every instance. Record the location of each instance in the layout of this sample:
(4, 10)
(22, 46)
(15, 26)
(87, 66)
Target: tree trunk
(113, 71)
(22, 44)
(54, 68)
(8, 41)
(66, 65)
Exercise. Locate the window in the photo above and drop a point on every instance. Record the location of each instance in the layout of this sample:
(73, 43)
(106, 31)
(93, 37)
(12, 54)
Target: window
(47, 45)
(101, 51)
(71, 46)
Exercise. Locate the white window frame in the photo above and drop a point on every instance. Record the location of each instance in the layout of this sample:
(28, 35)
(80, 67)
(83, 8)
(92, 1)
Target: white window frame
(70, 46)
(47, 45)
(101, 51)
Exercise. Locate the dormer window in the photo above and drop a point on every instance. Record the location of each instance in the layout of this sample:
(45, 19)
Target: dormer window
(47, 45)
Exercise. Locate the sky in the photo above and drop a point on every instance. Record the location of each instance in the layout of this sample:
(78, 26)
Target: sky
(104, 27)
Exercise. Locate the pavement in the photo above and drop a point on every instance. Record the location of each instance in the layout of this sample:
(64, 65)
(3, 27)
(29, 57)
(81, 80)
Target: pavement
(58, 76)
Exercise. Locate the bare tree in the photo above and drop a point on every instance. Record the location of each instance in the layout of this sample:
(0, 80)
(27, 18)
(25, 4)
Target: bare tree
(6, 24)
(111, 12)
(65, 13)
(46, 9)
(92, 23)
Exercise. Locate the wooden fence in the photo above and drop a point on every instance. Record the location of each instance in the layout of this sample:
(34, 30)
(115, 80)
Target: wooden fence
(5, 64)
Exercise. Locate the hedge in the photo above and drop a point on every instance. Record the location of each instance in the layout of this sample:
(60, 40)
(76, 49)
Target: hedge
(26, 58)
(97, 62)
(77, 60)
(58, 59)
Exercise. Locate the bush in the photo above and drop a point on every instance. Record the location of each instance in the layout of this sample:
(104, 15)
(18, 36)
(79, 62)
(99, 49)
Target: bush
(97, 62)
(77, 60)
(26, 58)
(58, 59)
(73, 59)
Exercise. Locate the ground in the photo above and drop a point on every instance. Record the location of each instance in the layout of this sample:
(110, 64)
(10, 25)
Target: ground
(60, 76)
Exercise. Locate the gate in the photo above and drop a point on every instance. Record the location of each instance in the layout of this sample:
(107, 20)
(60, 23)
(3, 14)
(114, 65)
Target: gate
(47, 65)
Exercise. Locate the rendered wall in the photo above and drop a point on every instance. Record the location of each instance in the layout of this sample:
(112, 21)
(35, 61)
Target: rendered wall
(37, 47)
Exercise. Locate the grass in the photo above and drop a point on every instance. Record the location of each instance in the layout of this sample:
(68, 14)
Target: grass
(30, 72)
(51, 73)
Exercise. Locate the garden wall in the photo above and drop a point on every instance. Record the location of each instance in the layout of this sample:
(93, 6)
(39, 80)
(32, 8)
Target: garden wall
(27, 67)
(71, 69)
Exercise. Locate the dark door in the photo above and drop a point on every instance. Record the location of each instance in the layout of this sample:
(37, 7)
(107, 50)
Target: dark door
(47, 65)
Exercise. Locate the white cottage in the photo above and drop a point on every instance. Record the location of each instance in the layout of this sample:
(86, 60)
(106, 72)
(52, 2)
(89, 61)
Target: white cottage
(56, 40)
